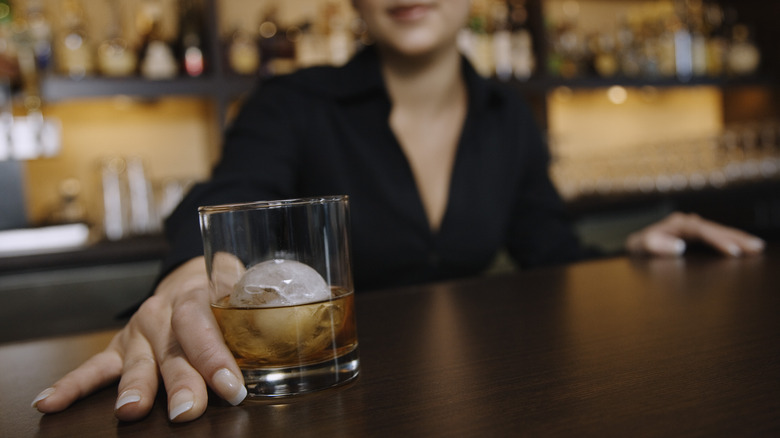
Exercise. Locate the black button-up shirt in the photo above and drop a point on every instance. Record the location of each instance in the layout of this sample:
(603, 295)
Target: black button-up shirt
(325, 131)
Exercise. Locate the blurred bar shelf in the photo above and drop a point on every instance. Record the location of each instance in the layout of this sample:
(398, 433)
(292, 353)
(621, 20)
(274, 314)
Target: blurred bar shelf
(59, 88)
(135, 249)
(544, 84)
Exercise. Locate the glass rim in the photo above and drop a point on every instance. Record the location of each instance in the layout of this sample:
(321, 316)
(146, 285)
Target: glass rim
(280, 203)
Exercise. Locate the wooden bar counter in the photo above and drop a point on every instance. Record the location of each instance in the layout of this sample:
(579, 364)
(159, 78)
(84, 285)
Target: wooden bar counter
(613, 347)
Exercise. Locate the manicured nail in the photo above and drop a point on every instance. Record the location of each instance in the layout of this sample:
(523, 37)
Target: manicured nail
(679, 246)
(181, 402)
(45, 393)
(129, 396)
(756, 244)
(733, 249)
(228, 385)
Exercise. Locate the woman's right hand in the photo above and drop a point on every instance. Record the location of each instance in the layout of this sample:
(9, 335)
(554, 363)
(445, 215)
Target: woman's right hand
(173, 335)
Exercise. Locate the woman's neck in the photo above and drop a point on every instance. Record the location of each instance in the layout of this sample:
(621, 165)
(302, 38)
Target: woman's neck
(429, 81)
(429, 105)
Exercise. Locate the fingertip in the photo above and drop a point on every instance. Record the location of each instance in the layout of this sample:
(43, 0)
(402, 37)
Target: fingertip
(183, 406)
(664, 245)
(52, 400)
(127, 397)
(43, 395)
(678, 247)
(755, 245)
(229, 386)
(180, 403)
(131, 405)
(733, 249)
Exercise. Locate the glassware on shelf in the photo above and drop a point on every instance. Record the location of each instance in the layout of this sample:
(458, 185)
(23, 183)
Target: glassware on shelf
(129, 204)
(116, 210)
(156, 57)
(30, 135)
(69, 209)
(739, 154)
(75, 46)
(115, 57)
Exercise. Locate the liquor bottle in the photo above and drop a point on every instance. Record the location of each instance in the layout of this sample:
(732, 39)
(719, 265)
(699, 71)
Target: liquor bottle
(475, 41)
(268, 40)
(157, 60)
(340, 38)
(26, 61)
(683, 51)
(115, 58)
(743, 55)
(626, 48)
(310, 46)
(6, 17)
(9, 68)
(666, 43)
(75, 47)
(605, 61)
(502, 41)
(277, 50)
(41, 34)
(521, 43)
(243, 53)
(567, 44)
(192, 49)
(699, 38)
(716, 42)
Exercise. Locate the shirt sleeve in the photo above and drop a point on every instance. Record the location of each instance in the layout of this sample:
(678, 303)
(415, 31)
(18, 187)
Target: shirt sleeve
(259, 162)
(541, 231)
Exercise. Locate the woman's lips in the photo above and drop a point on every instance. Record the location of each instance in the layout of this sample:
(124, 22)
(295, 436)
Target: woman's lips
(409, 13)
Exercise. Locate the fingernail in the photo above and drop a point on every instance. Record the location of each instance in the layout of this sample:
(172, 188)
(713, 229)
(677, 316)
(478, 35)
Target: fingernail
(756, 244)
(228, 385)
(733, 250)
(679, 246)
(181, 402)
(129, 396)
(45, 393)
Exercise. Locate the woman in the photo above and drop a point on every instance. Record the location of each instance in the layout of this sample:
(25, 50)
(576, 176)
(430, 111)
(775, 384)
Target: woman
(428, 201)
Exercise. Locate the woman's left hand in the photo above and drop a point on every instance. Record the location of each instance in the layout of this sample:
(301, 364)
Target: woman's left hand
(668, 237)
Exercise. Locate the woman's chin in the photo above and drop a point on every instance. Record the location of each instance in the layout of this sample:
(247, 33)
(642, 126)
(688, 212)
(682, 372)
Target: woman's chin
(415, 48)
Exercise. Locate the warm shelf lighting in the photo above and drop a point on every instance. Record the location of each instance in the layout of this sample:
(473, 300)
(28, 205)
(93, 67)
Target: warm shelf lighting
(617, 95)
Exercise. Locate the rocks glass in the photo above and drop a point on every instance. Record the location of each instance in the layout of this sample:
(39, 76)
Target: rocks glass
(281, 291)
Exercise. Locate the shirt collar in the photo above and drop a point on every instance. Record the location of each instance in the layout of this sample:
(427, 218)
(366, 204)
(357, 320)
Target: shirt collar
(363, 75)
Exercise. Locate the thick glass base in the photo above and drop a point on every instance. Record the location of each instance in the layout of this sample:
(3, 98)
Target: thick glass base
(285, 382)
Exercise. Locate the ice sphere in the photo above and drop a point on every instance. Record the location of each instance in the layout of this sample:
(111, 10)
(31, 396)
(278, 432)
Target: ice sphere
(282, 336)
(279, 282)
